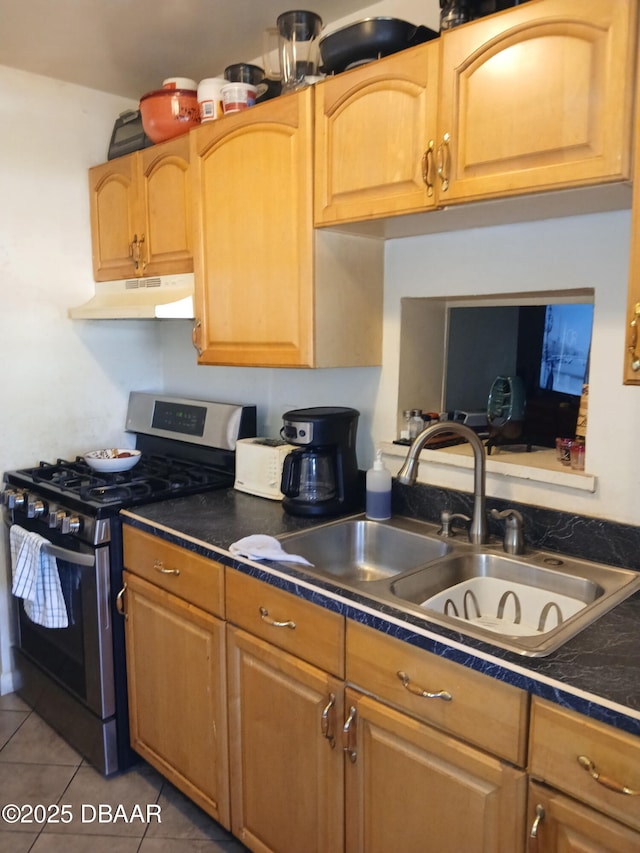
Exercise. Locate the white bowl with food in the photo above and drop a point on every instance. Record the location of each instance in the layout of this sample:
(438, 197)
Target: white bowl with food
(112, 459)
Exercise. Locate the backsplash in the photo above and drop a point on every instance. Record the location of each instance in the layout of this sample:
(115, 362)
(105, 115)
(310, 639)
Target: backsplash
(574, 535)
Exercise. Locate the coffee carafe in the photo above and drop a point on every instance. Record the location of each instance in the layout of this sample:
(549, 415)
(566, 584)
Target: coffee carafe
(321, 476)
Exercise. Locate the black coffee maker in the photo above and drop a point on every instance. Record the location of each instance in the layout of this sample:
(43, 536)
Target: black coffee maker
(321, 477)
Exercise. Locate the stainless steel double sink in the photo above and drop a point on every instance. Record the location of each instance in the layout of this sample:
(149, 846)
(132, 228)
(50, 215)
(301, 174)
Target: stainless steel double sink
(530, 604)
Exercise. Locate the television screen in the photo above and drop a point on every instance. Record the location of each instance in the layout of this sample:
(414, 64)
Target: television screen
(565, 348)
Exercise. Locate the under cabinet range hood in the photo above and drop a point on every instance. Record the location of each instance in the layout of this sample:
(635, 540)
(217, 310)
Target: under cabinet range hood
(160, 297)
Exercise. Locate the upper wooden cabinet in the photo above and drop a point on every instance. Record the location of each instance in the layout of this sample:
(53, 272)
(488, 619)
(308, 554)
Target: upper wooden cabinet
(539, 97)
(141, 213)
(373, 127)
(535, 98)
(631, 373)
(269, 291)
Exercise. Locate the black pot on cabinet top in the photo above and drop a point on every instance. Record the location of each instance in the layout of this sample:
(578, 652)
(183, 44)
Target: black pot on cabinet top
(367, 40)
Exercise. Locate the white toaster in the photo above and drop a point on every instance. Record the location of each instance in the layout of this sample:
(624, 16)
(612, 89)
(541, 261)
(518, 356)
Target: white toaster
(259, 464)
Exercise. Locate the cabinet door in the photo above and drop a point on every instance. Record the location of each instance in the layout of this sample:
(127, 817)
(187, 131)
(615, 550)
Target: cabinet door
(411, 788)
(114, 217)
(253, 224)
(558, 824)
(165, 202)
(286, 762)
(373, 127)
(536, 98)
(177, 698)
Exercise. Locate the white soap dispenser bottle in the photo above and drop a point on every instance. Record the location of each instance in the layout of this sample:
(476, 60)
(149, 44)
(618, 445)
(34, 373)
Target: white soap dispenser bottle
(378, 490)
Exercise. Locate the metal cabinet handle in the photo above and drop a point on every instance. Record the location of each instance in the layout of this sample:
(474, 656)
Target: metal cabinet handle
(264, 615)
(160, 567)
(195, 336)
(349, 734)
(444, 162)
(585, 762)
(427, 165)
(419, 691)
(535, 826)
(120, 602)
(633, 341)
(326, 721)
(135, 251)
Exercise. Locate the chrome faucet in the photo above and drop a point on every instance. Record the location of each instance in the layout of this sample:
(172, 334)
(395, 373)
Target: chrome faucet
(513, 530)
(407, 474)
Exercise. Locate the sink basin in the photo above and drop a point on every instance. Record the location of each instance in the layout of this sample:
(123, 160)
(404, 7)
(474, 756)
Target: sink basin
(359, 550)
(529, 604)
(534, 604)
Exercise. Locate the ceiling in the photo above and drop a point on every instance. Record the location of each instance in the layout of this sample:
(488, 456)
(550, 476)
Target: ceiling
(128, 47)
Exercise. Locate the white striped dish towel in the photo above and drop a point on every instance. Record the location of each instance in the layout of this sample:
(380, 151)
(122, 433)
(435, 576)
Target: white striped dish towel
(36, 579)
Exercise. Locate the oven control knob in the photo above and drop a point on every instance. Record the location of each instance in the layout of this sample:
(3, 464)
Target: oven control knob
(70, 524)
(13, 499)
(55, 519)
(35, 507)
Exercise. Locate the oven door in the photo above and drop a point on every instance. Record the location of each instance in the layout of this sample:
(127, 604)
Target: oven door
(80, 656)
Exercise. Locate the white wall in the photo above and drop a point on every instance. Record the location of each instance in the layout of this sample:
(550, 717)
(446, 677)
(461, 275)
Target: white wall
(583, 251)
(63, 385)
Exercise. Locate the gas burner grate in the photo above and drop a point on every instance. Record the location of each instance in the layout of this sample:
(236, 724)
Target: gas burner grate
(153, 478)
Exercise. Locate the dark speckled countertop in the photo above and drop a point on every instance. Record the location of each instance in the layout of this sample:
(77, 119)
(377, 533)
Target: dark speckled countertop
(596, 673)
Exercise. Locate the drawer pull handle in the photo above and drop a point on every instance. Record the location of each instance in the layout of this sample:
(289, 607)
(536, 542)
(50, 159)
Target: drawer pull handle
(326, 721)
(540, 815)
(264, 615)
(605, 781)
(444, 162)
(349, 736)
(427, 159)
(160, 567)
(418, 691)
(120, 602)
(633, 339)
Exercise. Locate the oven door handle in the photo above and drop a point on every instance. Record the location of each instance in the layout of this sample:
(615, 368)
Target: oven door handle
(69, 556)
(65, 554)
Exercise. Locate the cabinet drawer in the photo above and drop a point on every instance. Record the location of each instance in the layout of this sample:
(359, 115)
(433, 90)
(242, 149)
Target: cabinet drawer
(560, 737)
(293, 624)
(481, 710)
(190, 576)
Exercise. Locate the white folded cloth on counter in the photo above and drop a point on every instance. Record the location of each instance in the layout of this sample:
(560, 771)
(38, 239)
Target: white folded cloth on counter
(262, 547)
(36, 579)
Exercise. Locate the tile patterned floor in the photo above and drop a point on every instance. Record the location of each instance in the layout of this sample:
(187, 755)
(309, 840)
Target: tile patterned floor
(37, 767)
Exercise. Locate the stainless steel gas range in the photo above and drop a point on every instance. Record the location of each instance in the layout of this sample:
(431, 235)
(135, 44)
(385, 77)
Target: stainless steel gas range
(75, 677)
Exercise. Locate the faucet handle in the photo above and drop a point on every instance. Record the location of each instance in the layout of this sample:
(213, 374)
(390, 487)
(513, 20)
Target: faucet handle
(513, 530)
(446, 520)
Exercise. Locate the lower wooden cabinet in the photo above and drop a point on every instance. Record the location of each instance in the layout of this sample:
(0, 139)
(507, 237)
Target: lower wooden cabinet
(177, 695)
(286, 760)
(591, 793)
(305, 735)
(558, 824)
(413, 789)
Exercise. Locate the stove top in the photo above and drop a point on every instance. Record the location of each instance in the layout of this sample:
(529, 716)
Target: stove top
(187, 446)
(154, 478)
